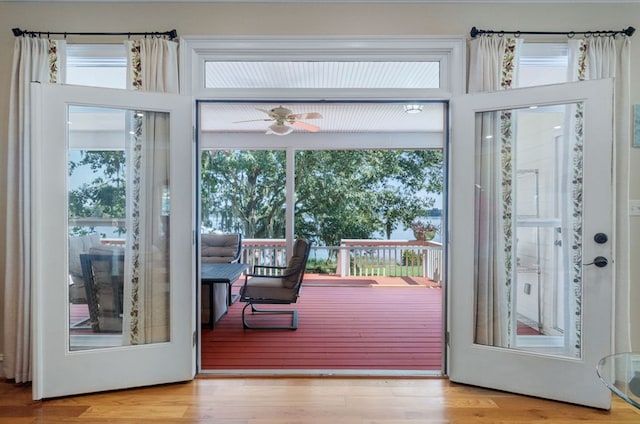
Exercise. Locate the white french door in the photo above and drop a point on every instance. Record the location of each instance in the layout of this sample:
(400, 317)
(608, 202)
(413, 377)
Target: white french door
(531, 275)
(112, 239)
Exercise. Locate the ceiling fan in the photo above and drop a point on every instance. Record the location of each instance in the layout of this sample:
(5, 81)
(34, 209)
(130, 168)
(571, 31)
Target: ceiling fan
(285, 120)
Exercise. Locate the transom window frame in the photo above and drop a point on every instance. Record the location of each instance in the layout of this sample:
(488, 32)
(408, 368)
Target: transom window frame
(450, 52)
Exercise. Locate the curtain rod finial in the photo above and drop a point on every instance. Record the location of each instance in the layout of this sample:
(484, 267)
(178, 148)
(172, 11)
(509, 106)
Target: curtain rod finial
(17, 32)
(173, 34)
(629, 31)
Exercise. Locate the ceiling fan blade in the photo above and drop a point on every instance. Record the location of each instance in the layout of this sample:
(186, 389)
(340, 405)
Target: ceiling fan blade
(268, 112)
(305, 126)
(310, 115)
(252, 120)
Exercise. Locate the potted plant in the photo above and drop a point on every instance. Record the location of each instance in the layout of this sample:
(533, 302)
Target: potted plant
(424, 231)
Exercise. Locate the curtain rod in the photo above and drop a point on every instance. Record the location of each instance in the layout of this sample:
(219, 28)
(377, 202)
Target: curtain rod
(18, 32)
(627, 31)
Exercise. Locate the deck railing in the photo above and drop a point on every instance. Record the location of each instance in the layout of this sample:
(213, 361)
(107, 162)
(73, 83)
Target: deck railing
(361, 258)
(353, 258)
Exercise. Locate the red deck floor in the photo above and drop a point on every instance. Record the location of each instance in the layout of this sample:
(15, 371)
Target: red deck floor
(355, 324)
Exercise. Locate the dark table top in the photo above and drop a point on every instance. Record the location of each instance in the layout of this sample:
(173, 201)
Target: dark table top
(221, 272)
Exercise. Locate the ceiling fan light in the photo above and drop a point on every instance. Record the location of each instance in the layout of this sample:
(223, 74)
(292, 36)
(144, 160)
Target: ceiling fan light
(413, 108)
(280, 129)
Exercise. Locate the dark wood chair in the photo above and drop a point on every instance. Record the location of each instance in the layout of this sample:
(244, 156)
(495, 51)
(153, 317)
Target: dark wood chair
(269, 285)
(103, 276)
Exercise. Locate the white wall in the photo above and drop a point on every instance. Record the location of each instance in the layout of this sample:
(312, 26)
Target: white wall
(316, 19)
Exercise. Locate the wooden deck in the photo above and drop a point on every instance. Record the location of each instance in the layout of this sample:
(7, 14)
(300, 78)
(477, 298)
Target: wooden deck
(381, 323)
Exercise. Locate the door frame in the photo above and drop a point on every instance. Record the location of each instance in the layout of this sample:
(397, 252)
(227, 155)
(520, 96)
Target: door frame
(195, 51)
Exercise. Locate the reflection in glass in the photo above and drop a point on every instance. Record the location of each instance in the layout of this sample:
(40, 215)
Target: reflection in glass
(119, 211)
(528, 223)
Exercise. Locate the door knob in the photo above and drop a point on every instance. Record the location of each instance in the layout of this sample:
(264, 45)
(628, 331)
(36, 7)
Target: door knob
(599, 261)
(600, 238)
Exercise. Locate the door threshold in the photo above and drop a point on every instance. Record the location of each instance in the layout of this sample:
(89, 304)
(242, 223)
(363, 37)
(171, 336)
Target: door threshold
(320, 373)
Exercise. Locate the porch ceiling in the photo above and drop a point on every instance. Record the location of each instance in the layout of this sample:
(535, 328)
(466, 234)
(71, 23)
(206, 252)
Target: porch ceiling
(336, 117)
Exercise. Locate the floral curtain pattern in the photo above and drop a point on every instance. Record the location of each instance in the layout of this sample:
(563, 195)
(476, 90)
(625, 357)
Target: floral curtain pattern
(34, 59)
(576, 214)
(152, 67)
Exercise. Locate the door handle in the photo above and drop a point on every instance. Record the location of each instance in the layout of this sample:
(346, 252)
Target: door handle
(599, 261)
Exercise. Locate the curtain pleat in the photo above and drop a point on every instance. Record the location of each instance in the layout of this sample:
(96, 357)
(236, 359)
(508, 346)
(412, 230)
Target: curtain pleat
(622, 147)
(602, 58)
(34, 59)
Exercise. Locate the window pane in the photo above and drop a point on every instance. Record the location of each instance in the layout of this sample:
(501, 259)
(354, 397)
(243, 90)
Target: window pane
(542, 64)
(528, 224)
(97, 65)
(119, 227)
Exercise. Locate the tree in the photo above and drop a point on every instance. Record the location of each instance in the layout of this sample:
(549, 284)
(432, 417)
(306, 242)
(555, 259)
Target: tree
(244, 191)
(103, 194)
(339, 194)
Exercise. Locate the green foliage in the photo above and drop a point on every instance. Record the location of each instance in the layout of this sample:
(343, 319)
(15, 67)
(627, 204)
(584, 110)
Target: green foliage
(103, 195)
(411, 258)
(244, 191)
(340, 194)
(319, 266)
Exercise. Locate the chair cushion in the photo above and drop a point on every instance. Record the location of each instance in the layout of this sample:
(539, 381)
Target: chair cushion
(218, 248)
(268, 288)
(78, 245)
(299, 250)
(105, 249)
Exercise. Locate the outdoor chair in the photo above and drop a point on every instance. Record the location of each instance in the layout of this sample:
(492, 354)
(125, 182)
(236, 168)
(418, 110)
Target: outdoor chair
(217, 248)
(220, 248)
(103, 276)
(269, 285)
(77, 246)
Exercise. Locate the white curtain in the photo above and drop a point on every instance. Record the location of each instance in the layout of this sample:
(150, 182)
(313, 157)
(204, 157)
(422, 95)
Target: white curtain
(34, 59)
(153, 66)
(608, 57)
(492, 67)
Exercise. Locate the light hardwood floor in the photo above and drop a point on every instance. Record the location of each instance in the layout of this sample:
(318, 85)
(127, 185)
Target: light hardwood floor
(330, 400)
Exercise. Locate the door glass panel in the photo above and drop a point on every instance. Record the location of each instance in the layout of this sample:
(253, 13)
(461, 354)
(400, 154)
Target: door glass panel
(528, 223)
(118, 227)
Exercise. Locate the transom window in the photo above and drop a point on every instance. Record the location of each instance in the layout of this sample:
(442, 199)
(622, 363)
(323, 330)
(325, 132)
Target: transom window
(318, 74)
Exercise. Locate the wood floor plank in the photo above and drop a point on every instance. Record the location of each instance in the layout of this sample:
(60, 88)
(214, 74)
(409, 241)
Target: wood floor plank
(325, 400)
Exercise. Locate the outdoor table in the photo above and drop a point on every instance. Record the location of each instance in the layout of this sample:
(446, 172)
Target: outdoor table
(225, 273)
